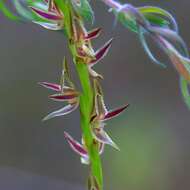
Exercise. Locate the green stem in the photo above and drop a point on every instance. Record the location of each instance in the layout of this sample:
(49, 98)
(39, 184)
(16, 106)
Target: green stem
(86, 97)
(86, 105)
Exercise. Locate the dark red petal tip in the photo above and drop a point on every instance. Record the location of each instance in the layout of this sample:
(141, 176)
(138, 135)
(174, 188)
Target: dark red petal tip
(93, 34)
(114, 113)
(101, 53)
(62, 97)
(47, 15)
(76, 147)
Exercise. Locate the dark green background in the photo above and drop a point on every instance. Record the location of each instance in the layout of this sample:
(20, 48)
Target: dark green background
(153, 134)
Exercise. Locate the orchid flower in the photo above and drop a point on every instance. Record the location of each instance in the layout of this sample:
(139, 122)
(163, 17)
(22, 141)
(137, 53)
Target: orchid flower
(80, 148)
(85, 50)
(49, 11)
(99, 55)
(101, 114)
(64, 93)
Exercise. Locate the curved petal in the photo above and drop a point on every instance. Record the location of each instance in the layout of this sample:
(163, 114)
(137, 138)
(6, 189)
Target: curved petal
(94, 74)
(61, 112)
(147, 49)
(50, 26)
(76, 146)
(47, 14)
(93, 34)
(51, 86)
(101, 136)
(63, 97)
(101, 53)
(113, 113)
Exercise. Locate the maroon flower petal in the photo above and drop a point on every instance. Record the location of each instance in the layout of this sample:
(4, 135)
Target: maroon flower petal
(51, 86)
(63, 97)
(114, 113)
(76, 147)
(47, 15)
(102, 52)
(93, 34)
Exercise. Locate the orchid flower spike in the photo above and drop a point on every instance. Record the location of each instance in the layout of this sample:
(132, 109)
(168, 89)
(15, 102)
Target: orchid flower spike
(64, 94)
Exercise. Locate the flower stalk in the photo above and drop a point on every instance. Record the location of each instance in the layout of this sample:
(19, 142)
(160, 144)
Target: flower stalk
(86, 96)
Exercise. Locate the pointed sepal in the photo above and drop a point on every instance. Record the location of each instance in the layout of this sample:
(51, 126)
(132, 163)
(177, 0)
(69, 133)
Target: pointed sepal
(101, 136)
(113, 113)
(51, 86)
(63, 97)
(47, 14)
(61, 112)
(93, 34)
(76, 146)
(102, 52)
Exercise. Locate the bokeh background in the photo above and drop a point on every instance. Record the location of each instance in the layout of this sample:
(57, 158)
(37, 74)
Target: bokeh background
(153, 134)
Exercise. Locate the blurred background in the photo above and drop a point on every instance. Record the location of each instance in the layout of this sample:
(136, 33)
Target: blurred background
(153, 134)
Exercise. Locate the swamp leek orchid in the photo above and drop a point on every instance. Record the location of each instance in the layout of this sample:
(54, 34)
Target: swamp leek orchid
(69, 16)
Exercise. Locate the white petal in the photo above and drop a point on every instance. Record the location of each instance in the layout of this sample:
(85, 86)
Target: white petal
(101, 136)
(50, 26)
(63, 111)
